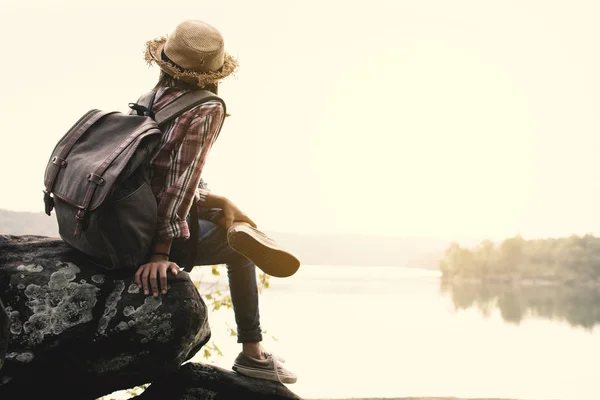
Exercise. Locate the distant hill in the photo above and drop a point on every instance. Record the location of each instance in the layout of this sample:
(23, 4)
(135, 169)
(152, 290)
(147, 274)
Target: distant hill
(364, 250)
(27, 223)
(310, 248)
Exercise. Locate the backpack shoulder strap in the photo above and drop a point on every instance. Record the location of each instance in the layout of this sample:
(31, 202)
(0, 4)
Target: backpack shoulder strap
(185, 103)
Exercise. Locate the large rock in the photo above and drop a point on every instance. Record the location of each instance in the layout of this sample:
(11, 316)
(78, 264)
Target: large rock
(4, 332)
(75, 331)
(200, 382)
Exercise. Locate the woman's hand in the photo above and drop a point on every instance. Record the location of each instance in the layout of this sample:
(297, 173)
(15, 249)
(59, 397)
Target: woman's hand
(148, 275)
(231, 214)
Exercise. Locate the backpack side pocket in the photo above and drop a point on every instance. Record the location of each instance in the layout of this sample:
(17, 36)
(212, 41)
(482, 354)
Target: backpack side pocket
(128, 224)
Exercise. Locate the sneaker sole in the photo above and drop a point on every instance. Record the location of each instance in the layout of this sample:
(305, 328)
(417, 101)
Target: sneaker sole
(262, 374)
(273, 261)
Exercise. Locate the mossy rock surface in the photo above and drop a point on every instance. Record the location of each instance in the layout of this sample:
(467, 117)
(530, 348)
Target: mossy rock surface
(69, 329)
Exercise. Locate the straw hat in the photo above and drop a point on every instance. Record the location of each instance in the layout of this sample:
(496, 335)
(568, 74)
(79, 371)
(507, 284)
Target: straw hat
(194, 53)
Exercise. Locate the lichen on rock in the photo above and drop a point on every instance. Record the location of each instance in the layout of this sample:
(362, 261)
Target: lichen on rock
(148, 320)
(133, 289)
(63, 276)
(30, 268)
(57, 306)
(16, 326)
(25, 357)
(110, 309)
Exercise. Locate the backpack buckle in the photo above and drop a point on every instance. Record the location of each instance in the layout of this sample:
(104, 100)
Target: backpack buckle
(61, 162)
(140, 109)
(97, 179)
(48, 203)
(80, 214)
(79, 226)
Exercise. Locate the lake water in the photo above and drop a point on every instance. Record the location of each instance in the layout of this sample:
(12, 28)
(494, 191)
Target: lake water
(391, 332)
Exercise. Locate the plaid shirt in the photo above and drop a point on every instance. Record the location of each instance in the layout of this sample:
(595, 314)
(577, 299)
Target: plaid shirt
(177, 162)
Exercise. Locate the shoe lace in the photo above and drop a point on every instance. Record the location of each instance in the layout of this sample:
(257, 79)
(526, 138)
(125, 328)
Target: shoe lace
(276, 365)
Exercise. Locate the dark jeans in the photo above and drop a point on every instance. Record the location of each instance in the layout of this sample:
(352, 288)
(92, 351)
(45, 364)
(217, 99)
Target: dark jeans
(213, 248)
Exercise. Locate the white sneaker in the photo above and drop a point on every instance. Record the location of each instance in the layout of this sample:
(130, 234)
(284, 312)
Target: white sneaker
(270, 369)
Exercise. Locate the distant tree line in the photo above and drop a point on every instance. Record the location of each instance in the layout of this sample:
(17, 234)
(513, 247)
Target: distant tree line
(576, 258)
(577, 305)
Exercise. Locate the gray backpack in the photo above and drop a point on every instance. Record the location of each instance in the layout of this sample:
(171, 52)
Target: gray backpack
(97, 180)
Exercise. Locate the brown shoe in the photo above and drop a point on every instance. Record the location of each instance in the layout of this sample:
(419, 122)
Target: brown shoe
(263, 251)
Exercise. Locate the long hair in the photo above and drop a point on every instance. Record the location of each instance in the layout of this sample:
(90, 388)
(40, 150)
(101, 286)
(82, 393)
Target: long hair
(166, 80)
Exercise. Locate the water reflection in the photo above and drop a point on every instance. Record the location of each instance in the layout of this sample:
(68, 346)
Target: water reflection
(579, 305)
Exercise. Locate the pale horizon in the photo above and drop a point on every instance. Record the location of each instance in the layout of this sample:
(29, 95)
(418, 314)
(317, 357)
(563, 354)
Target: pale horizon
(398, 119)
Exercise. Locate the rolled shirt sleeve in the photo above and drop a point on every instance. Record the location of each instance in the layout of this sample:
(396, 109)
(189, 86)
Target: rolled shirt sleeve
(177, 167)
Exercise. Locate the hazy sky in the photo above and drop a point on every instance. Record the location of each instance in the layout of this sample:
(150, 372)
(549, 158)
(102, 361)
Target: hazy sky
(441, 118)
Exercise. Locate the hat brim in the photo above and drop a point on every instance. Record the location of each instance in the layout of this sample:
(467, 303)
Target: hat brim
(154, 49)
